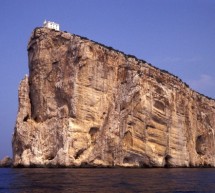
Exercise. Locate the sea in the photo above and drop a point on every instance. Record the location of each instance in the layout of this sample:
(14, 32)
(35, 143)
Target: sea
(110, 180)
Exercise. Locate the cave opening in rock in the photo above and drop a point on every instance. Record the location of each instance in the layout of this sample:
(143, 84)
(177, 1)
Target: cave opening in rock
(93, 130)
(50, 157)
(79, 153)
(26, 118)
(127, 160)
(167, 161)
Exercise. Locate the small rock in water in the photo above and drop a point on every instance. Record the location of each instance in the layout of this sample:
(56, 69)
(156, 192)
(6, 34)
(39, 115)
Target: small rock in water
(6, 162)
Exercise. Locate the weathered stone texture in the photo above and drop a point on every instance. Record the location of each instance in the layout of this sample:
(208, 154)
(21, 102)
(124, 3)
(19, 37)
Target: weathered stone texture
(87, 104)
(6, 162)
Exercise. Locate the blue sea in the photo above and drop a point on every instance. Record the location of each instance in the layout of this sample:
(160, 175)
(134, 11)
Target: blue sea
(119, 180)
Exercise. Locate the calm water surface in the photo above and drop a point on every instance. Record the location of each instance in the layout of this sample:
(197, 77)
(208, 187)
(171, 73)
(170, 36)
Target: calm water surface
(106, 180)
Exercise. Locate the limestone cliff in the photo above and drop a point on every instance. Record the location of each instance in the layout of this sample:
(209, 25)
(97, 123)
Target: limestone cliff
(85, 104)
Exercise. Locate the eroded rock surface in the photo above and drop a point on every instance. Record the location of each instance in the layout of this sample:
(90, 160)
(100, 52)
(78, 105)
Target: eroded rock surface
(85, 104)
(6, 162)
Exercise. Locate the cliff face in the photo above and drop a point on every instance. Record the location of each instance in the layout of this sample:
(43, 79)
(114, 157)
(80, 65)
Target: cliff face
(86, 104)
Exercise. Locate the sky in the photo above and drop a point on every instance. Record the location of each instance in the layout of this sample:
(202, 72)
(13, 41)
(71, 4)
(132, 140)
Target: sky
(174, 35)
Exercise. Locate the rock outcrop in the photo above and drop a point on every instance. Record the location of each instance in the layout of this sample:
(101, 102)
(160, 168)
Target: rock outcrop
(6, 162)
(85, 104)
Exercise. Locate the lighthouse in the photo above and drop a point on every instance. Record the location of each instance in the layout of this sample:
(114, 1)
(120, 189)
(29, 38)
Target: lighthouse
(51, 25)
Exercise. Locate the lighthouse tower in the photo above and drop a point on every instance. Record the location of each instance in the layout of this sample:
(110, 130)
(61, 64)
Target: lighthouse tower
(51, 25)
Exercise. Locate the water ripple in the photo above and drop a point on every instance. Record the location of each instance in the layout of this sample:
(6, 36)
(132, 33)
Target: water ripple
(119, 180)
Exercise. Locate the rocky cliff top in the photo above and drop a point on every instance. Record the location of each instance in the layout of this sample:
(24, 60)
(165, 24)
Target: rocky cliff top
(127, 56)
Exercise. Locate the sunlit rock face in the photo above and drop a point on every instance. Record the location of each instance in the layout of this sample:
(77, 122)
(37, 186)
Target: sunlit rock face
(85, 104)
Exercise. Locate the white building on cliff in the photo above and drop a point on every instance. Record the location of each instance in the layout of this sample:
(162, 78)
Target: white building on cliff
(51, 25)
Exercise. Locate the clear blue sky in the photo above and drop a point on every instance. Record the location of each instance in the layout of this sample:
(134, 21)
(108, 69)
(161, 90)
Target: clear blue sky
(175, 35)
